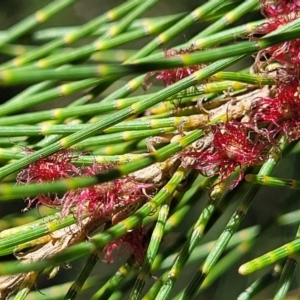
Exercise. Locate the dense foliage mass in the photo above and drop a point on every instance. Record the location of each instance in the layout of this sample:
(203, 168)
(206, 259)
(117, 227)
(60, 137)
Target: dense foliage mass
(139, 180)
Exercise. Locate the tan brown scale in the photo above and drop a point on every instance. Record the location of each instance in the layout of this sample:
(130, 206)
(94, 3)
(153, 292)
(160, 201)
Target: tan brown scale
(60, 240)
(235, 108)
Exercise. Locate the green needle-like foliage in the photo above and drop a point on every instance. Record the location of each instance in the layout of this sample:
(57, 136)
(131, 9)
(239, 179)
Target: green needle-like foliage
(162, 143)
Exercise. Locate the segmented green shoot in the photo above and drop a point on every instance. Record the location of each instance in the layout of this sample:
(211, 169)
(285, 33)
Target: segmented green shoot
(11, 238)
(58, 291)
(272, 256)
(199, 252)
(89, 109)
(71, 88)
(77, 285)
(194, 237)
(71, 38)
(99, 240)
(30, 22)
(260, 284)
(86, 160)
(156, 238)
(99, 44)
(31, 75)
(191, 18)
(13, 220)
(273, 181)
(107, 289)
(55, 32)
(152, 130)
(230, 228)
(119, 116)
(285, 279)
(229, 18)
(223, 264)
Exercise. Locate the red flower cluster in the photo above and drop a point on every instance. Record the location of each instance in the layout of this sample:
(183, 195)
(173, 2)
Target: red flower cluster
(279, 13)
(282, 110)
(234, 144)
(135, 242)
(171, 76)
(112, 201)
(275, 8)
(54, 167)
(108, 200)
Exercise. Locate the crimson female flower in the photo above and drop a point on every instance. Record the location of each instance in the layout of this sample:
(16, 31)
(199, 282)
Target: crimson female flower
(233, 144)
(111, 201)
(57, 166)
(275, 8)
(135, 242)
(171, 76)
(279, 13)
(282, 110)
